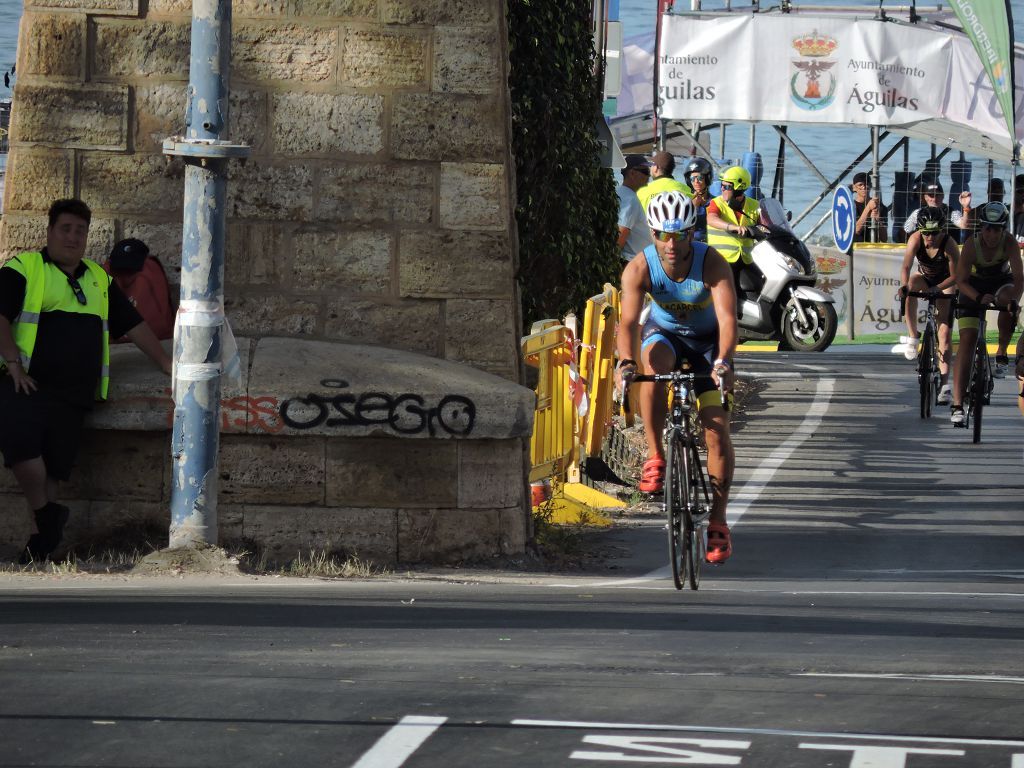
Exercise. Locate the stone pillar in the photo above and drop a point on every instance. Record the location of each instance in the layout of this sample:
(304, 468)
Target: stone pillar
(377, 205)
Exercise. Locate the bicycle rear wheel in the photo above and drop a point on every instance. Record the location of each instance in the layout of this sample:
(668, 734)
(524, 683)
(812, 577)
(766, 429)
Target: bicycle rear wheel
(925, 361)
(979, 388)
(696, 515)
(676, 502)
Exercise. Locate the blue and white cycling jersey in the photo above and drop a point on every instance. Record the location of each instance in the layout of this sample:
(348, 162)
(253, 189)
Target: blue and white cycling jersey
(682, 308)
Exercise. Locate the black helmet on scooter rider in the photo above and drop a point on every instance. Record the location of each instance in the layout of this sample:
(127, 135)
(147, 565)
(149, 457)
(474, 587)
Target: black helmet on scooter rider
(931, 219)
(701, 166)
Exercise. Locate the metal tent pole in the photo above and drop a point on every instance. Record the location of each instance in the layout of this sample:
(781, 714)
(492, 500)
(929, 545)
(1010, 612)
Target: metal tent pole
(874, 185)
(198, 337)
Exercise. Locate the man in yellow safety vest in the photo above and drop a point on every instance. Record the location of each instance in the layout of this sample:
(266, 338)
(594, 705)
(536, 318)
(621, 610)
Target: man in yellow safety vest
(58, 311)
(731, 217)
(663, 165)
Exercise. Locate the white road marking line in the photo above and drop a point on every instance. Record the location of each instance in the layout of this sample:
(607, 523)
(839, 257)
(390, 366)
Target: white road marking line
(759, 477)
(766, 470)
(744, 373)
(405, 737)
(901, 571)
(904, 676)
(576, 724)
(881, 757)
(665, 572)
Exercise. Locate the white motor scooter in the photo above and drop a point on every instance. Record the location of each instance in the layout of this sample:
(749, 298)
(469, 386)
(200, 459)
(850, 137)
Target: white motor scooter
(776, 294)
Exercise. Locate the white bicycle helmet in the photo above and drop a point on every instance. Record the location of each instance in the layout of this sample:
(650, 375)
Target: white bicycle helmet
(671, 212)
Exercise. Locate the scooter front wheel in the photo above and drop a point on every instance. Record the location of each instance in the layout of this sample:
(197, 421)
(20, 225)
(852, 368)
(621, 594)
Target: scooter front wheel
(812, 333)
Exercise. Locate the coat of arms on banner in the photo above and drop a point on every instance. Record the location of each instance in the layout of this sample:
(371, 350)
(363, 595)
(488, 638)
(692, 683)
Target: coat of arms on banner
(805, 85)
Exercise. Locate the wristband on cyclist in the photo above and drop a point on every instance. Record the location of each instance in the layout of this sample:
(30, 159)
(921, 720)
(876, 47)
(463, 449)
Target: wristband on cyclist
(626, 361)
(723, 362)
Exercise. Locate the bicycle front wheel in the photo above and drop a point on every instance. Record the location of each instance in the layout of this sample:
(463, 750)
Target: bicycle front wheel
(979, 388)
(676, 502)
(925, 361)
(695, 516)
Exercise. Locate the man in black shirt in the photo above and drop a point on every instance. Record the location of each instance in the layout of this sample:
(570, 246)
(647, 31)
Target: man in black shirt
(58, 312)
(872, 216)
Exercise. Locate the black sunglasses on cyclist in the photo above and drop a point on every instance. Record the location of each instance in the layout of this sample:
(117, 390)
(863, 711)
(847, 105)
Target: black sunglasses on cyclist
(727, 185)
(77, 288)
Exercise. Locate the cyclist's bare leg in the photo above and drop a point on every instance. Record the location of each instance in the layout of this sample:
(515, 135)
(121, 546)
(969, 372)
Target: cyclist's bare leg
(657, 358)
(916, 283)
(945, 340)
(1003, 298)
(962, 368)
(721, 458)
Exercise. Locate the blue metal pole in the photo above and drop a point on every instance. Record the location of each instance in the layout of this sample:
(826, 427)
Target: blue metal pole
(198, 333)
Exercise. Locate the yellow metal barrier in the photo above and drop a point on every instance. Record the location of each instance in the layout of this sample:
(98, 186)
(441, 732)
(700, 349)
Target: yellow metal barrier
(597, 364)
(549, 349)
(567, 429)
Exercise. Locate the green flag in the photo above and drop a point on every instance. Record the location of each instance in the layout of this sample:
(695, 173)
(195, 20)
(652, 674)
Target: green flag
(987, 23)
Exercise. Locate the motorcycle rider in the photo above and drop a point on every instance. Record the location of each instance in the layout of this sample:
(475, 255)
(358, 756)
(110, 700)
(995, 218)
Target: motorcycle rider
(936, 254)
(698, 175)
(693, 318)
(731, 218)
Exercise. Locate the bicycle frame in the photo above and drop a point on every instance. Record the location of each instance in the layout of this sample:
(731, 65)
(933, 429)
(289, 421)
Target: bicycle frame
(687, 500)
(929, 376)
(980, 381)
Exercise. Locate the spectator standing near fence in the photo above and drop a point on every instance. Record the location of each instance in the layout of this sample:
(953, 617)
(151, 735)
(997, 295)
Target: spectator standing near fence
(662, 165)
(634, 234)
(872, 215)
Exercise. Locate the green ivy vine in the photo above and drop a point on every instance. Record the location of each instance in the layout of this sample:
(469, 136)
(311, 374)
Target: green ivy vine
(567, 209)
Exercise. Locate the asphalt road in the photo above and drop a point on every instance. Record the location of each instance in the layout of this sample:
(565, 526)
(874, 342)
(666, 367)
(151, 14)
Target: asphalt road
(871, 617)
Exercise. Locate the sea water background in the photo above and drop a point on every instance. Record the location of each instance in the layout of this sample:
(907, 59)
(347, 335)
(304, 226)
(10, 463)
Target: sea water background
(830, 148)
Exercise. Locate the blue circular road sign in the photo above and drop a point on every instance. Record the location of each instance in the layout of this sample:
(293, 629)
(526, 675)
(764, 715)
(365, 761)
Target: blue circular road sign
(844, 218)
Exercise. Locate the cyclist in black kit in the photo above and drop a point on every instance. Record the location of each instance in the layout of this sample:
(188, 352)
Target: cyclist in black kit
(936, 254)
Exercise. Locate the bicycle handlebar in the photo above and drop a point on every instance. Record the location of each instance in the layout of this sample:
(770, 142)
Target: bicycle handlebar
(932, 297)
(1012, 308)
(674, 376)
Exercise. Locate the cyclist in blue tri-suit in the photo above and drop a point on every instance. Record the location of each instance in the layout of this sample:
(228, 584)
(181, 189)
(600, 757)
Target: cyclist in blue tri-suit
(692, 318)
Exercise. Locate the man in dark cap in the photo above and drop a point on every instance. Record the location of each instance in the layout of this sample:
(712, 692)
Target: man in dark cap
(142, 279)
(634, 234)
(663, 165)
(871, 214)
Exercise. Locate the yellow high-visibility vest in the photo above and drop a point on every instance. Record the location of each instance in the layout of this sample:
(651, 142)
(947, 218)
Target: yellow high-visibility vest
(731, 246)
(661, 184)
(46, 282)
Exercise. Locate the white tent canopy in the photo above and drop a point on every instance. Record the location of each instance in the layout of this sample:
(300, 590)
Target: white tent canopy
(824, 66)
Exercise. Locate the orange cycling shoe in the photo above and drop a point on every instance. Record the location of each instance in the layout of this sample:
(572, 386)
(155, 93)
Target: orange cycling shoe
(719, 543)
(652, 478)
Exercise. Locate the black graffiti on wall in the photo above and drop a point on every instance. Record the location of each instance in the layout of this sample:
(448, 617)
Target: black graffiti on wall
(406, 414)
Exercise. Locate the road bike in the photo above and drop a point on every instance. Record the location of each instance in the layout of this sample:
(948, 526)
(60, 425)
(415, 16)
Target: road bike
(928, 376)
(687, 500)
(980, 382)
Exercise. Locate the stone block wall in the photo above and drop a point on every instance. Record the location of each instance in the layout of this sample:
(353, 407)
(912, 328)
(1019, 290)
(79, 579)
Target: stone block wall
(376, 209)
(376, 206)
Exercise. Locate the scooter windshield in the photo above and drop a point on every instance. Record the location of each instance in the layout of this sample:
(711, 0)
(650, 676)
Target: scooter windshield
(773, 216)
